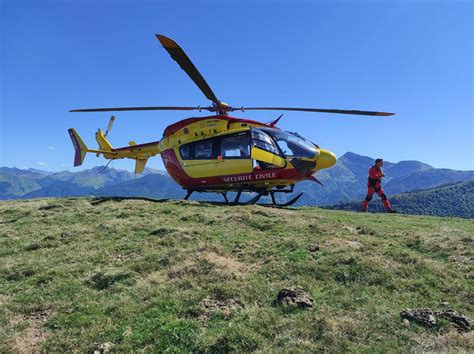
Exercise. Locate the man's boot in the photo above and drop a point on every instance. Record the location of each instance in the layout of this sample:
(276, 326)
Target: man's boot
(387, 205)
(365, 204)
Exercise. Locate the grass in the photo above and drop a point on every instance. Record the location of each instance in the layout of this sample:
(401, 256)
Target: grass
(135, 275)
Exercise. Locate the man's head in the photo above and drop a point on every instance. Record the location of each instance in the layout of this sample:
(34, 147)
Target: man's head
(379, 162)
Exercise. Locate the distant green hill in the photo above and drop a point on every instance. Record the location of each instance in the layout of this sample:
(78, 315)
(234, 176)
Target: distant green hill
(450, 200)
(426, 179)
(17, 183)
(12, 187)
(84, 275)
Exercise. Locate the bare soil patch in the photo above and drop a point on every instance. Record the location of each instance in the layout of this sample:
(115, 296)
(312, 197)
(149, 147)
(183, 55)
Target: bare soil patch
(29, 340)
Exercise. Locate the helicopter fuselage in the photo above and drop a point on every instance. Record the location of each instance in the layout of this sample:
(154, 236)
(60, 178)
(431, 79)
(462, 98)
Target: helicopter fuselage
(223, 153)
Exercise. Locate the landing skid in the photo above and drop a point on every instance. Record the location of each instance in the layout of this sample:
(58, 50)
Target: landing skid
(236, 200)
(254, 200)
(288, 203)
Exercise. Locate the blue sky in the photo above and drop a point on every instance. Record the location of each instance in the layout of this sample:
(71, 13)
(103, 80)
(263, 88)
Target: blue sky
(414, 58)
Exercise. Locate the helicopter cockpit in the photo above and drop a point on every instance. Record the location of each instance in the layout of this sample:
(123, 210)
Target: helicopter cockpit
(290, 144)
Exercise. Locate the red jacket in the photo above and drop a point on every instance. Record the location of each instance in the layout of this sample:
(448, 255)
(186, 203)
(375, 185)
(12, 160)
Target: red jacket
(375, 176)
(375, 172)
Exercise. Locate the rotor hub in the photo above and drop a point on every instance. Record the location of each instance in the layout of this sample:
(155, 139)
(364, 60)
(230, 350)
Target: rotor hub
(221, 108)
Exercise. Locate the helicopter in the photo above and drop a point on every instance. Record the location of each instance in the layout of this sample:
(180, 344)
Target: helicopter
(221, 153)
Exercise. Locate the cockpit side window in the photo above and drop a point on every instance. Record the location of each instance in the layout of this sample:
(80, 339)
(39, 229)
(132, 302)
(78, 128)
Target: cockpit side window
(291, 144)
(263, 141)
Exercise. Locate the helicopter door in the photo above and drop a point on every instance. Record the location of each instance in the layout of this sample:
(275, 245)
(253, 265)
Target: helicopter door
(235, 153)
(265, 151)
(199, 158)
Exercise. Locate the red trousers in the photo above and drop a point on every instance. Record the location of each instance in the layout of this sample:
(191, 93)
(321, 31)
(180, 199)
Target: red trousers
(370, 192)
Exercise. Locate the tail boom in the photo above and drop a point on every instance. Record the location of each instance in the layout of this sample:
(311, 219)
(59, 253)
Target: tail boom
(139, 152)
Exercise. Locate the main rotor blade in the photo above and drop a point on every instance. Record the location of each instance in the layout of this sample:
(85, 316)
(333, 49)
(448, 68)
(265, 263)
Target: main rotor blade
(320, 110)
(185, 63)
(139, 109)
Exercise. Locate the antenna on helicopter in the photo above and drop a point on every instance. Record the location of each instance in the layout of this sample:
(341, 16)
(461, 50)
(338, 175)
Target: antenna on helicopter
(109, 127)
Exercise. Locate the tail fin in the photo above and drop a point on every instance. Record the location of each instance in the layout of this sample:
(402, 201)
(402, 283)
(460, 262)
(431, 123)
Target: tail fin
(79, 146)
(102, 141)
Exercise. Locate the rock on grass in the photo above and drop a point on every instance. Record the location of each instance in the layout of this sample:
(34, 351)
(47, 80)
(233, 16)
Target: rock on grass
(427, 317)
(295, 297)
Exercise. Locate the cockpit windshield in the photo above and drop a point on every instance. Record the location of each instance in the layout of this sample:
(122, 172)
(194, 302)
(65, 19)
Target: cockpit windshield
(292, 145)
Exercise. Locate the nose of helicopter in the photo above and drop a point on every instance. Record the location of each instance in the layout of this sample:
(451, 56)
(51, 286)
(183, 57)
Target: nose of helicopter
(325, 159)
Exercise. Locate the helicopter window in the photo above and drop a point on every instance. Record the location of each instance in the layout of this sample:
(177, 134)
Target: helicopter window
(236, 146)
(291, 144)
(263, 141)
(204, 149)
(186, 151)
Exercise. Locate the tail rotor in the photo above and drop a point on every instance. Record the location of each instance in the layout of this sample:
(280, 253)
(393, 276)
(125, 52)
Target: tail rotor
(109, 127)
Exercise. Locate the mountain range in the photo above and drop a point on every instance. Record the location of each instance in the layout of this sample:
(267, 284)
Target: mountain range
(342, 183)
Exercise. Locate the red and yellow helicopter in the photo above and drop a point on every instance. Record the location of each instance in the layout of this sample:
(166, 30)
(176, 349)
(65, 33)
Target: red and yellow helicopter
(220, 153)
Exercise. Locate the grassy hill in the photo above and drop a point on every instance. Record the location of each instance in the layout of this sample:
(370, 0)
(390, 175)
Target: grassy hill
(84, 275)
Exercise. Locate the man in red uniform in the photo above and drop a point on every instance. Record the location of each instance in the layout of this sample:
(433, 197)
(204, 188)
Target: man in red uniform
(374, 185)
